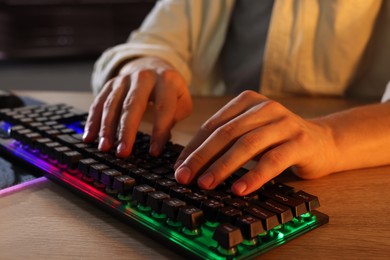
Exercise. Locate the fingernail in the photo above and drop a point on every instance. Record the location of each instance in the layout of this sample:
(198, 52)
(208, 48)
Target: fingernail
(206, 180)
(85, 135)
(154, 149)
(240, 187)
(177, 164)
(103, 143)
(121, 148)
(183, 175)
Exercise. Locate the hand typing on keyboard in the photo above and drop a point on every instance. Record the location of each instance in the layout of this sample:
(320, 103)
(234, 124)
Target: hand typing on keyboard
(248, 126)
(121, 103)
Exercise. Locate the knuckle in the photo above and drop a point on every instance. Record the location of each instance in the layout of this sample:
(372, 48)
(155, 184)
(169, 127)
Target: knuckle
(196, 159)
(255, 178)
(222, 166)
(302, 138)
(227, 131)
(161, 106)
(209, 126)
(249, 141)
(273, 158)
(95, 106)
(108, 103)
(248, 94)
(251, 95)
(105, 131)
(169, 74)
(273, 107)
(128, 103)
(145, 74)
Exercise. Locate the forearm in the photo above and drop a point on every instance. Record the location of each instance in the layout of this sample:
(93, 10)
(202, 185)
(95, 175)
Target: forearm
(361, 136)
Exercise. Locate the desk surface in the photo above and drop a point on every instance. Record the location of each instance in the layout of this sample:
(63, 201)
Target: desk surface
(45, 221)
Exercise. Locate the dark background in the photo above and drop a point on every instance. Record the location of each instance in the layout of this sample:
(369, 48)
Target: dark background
(53, 44)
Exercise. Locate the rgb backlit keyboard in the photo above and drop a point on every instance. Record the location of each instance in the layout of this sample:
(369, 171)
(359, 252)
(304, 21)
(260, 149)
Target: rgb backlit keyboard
(142, 190)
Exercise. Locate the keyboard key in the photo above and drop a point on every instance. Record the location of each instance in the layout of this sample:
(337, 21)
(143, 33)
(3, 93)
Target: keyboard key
(297, 206)
(191, 217)
(269, 219)
(179, 191)
(150, 179)
(71, 159)
(228, 236)
(194, 198)
(155, 200)
(211, 208)
(283, 212)
(170, 207)
(237, 203)
(107, 176)
(164, 184)
(250, 226)
(95, 170)
(123, 184)
(140, 193)
(84, 165)
(311, 201)
(228, 214)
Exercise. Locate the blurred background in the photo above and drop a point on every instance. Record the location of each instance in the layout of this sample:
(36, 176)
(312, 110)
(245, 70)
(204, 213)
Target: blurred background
(53, 44)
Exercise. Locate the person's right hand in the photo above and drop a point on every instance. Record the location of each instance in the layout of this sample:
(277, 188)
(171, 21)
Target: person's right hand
(119, 107)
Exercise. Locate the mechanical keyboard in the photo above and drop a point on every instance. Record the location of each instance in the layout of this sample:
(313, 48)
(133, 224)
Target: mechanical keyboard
(142, 190)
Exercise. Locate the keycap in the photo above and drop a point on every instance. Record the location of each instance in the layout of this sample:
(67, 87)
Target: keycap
(250, 226)
(297, 206)
(218, 195)
(71, 159)
(150, 179)
(281, 188)
(108, 175)
(228, 236)
(155, 200)
(179, 191)
(140, 193)
(283, 212)
(237, 203)
(84, 165)
(268, 218)
(211, 208)
(228, 214)
(194, 198)
(191, 217)
(170, 207)
(311, 201)
(57, 152)
(164, 184)
(95, 170)
(123, 184)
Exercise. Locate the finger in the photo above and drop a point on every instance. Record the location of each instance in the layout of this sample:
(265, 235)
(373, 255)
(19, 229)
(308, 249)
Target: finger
(133, 108)
(184, 103)
(244, 149)
(221, 139)
(92, 126)
(231, 110)
(271, 164)
(111, 112)
(165, 104)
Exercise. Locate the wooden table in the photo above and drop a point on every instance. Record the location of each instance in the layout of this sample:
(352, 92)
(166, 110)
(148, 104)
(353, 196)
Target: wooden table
(45, 221)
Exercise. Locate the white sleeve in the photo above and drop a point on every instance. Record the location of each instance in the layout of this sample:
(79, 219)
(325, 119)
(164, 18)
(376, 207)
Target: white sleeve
(386, 95)
(164, 33)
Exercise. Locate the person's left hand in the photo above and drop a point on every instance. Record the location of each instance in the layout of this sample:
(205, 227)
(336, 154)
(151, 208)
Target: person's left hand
(251, 125)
